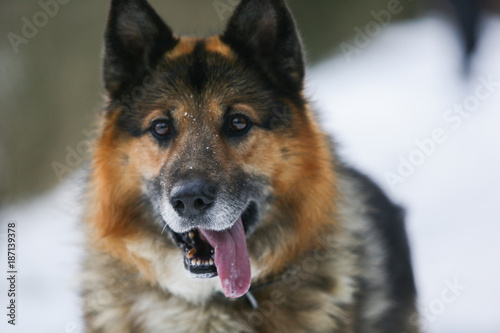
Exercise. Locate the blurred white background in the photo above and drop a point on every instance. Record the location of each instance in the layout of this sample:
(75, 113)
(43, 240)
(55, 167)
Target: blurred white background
(396, 93)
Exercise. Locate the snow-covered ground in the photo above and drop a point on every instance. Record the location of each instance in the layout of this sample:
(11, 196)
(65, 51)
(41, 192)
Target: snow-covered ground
(395, 113)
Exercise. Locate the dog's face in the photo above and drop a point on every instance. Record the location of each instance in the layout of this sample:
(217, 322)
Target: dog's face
(206, 144)
(214, 131)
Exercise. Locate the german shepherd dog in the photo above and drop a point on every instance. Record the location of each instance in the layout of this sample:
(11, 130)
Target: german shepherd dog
(215, 201)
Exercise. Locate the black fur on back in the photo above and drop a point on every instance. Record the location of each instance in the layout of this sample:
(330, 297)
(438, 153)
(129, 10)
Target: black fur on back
(388, 220)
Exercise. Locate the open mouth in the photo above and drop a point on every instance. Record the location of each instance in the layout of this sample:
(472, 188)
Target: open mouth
(198, 254)
(220, 253)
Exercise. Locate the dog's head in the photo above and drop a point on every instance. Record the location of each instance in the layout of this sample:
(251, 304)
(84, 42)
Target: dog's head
(214, 134)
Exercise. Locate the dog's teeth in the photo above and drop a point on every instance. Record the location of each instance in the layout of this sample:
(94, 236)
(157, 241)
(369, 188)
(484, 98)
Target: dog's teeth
(198, 262)
(193, 262)
(191, 253)
(211, 261)
(191, 234)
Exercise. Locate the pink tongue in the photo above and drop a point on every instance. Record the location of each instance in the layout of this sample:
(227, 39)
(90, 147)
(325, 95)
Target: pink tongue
(231, 258)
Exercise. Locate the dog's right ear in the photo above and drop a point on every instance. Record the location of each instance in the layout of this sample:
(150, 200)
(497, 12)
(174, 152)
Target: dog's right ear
(136, 39)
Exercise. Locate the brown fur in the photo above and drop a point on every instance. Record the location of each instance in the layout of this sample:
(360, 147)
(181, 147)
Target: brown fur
(119, 162)
(313, 253)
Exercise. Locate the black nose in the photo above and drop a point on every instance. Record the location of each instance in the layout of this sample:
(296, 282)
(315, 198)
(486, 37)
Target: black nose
(191, 198)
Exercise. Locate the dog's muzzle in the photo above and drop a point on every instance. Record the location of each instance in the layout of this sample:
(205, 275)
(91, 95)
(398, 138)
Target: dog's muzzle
(192, 198)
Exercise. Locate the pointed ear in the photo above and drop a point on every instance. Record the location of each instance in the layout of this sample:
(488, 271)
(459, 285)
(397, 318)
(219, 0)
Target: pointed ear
(264, 32)
(136, 38)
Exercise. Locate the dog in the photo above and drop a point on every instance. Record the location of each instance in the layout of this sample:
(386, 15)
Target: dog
(216, 203)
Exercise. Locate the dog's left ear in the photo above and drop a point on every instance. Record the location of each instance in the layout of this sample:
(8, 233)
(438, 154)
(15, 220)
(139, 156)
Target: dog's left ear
(264, 33)
(136, 39)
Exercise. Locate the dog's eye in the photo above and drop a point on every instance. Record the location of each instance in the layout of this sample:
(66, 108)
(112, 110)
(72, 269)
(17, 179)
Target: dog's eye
(238, 125)
(161, 129)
